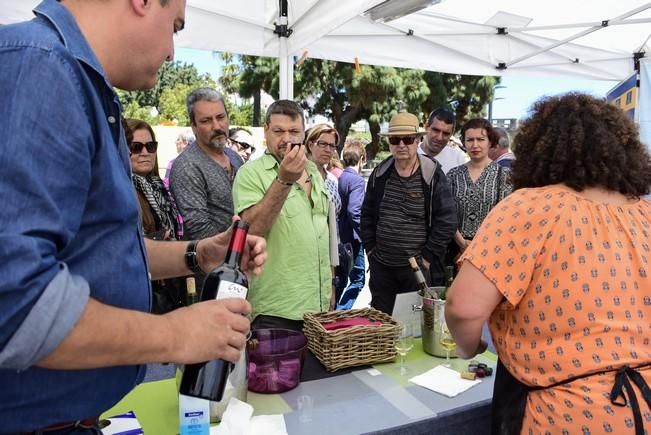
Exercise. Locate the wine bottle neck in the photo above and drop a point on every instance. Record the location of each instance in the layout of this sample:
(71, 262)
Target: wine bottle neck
(236, 247)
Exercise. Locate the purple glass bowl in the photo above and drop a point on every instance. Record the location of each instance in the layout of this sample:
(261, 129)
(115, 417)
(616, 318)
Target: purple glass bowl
(276, 361)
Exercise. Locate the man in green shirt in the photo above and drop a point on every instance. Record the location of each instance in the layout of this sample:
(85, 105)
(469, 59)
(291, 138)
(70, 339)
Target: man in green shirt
(283, 198)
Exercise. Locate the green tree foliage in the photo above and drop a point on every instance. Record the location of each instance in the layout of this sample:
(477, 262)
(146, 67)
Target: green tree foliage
(240, 115)
(172, 103)
(248, 76)
(133, 110)
(175, 80)
(467, 96)
(337, 90)
(332, 89)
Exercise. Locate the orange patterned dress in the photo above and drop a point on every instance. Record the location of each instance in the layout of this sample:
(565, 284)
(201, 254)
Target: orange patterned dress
(576, 281)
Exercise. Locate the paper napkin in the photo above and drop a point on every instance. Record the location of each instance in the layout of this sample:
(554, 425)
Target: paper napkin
(444, 380)
(238, 420)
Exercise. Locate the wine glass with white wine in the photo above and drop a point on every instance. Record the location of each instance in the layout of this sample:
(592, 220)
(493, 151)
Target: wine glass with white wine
(404, 344)
(447, 342)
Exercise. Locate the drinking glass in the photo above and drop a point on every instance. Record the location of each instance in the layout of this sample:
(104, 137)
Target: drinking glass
(447, 342)
(404, 344)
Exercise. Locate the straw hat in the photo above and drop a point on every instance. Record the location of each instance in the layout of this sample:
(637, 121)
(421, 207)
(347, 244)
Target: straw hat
(403, 124)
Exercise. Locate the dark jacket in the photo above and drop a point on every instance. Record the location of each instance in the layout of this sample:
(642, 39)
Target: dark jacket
(351, 191)
(441, 212)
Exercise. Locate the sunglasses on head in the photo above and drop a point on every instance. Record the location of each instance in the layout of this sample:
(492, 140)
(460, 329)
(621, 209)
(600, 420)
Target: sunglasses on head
(136, 147)
(407, 140)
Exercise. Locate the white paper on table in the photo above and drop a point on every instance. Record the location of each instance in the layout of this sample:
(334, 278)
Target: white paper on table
(238, 420)
(123, 423)
(268, 425)
(444, 381)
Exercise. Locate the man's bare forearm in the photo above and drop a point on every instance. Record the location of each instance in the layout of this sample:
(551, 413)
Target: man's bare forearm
(262, 215)
(166, 259)
(109, 336)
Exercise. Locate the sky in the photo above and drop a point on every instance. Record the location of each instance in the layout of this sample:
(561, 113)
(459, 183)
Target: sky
(511, 101)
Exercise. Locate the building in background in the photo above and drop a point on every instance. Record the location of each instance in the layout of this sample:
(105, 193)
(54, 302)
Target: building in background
(624, 95)
(509, 124)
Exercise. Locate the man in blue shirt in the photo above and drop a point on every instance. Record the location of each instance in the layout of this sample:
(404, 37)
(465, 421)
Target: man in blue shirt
(74, 267)
(351, 190)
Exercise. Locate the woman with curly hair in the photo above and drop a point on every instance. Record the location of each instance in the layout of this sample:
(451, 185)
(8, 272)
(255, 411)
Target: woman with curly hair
(561, 269)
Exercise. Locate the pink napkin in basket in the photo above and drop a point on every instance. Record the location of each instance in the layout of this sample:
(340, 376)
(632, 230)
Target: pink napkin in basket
(347, 323)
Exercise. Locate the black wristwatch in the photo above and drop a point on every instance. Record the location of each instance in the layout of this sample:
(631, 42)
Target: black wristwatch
(191, 260)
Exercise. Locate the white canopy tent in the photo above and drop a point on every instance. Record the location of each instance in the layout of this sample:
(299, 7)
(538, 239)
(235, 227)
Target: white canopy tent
(599, 39)
(591, 39)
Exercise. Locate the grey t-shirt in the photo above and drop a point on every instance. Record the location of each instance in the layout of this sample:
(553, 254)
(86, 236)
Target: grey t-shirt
(203, 191)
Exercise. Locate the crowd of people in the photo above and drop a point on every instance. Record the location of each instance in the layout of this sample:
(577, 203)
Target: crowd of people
(550, 239)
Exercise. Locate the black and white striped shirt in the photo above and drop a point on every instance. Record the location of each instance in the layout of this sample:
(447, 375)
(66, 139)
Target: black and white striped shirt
(402, 223)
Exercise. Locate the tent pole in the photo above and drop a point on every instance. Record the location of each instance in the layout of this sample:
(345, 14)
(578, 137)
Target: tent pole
(282, 66)
(285, 62)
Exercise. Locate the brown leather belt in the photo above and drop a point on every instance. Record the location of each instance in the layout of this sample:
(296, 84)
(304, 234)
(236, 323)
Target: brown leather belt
(82, 424)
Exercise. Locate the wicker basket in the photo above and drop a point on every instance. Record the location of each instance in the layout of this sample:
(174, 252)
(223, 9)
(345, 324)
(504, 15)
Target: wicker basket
(353, 346)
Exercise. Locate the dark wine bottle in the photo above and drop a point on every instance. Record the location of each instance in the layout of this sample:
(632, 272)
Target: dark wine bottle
(449, 279)
(420, 278)
(207, 380)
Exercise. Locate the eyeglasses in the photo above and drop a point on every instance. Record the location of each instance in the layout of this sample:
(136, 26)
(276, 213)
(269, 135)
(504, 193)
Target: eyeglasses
(136, 147)
(323, 144)
(407, 140)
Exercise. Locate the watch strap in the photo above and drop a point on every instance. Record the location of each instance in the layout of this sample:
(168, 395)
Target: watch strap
(191, 260)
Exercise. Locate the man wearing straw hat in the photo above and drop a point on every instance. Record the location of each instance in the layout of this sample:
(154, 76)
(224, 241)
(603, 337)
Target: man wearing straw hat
(408, 212)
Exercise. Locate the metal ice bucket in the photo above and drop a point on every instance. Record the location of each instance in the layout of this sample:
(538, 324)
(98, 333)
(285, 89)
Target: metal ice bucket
(432, 318)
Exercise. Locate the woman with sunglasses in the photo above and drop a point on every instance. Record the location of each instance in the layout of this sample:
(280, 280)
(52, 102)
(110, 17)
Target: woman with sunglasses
(477, 185)
(160, 218)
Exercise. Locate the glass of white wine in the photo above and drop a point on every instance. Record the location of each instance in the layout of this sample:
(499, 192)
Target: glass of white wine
(404, 344)
(447, 342)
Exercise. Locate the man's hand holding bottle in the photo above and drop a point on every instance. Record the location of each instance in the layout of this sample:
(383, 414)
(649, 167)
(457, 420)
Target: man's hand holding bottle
(217, 328)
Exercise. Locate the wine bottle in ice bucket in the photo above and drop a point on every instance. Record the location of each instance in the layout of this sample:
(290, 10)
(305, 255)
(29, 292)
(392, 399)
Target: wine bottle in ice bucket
(207, 380)
(420, 278)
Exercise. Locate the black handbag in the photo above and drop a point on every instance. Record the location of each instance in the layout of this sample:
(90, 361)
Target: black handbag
(345, 259)
(168, 295)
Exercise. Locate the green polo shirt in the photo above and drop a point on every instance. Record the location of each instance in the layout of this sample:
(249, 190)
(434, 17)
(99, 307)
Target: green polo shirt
(297, 277)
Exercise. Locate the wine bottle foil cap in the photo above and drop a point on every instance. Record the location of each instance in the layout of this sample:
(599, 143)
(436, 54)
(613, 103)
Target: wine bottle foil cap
(242, 224)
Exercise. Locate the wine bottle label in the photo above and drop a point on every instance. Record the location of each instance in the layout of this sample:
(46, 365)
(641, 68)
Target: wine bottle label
(228, 289)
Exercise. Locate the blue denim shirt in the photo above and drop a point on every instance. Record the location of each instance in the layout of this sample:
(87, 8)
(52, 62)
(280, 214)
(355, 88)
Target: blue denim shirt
(68, 219)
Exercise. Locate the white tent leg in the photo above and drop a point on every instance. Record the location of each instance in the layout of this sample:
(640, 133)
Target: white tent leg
(283, 72)
(285, 61)
(286, 74)
(290, 78)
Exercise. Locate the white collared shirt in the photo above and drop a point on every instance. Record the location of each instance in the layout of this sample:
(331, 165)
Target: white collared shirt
(449, 157)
